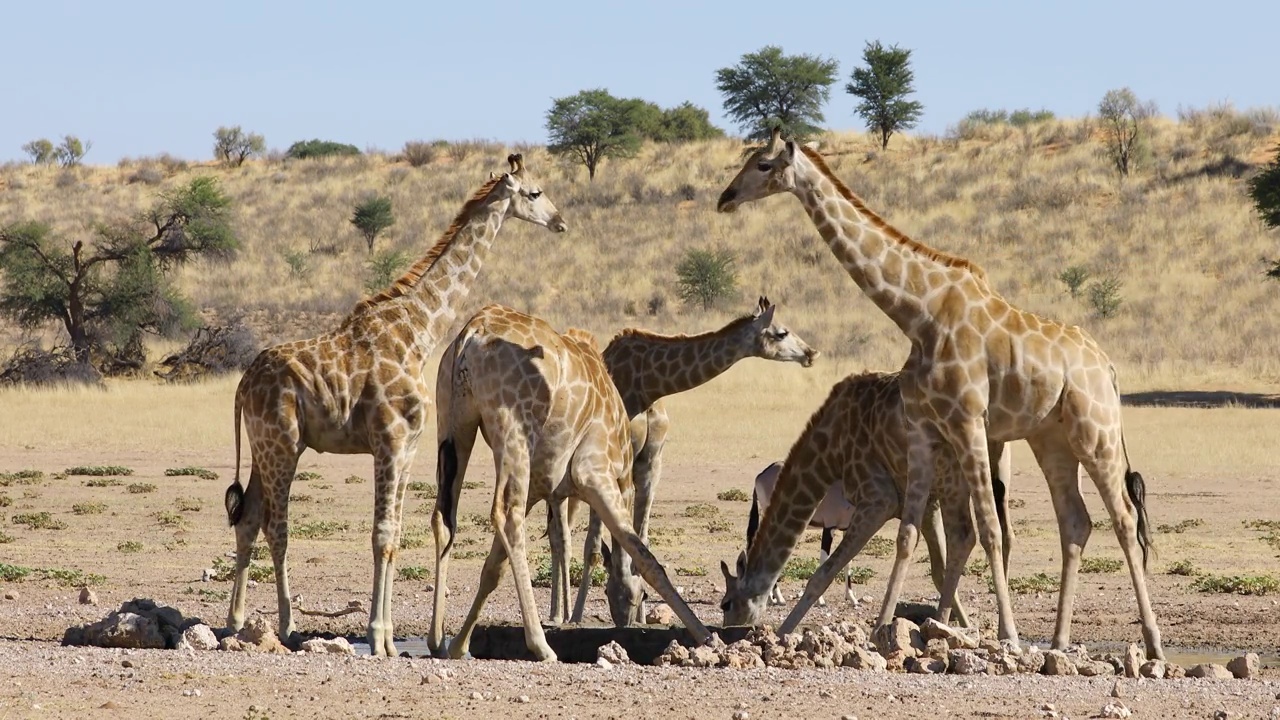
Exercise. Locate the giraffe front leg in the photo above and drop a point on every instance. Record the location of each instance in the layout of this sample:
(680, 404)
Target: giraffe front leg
(590, 551)
(558, 533)
(920, 479)
(390, 467)
(948, 556)
(825, 552)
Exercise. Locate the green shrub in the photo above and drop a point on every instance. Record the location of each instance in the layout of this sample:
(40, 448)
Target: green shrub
(799, 568)
(13, 573)
(199, 472)
(1104, 296)
(1237, 584)
(307, 476)
(1074, 278)
(414, 572)
(418, 153)
(38, 521)
(129, 546)
(1100, 565)
(21, 477)
(93, 508)
(706, 277)
(1183, 567)
(103, 482)
(691, 571)
(859, 575)
(1040, 582)
(542, 572)
(317, 529)
(701, 510)
(141, 488)
(98, 470)
(305, 149)
(384, 268)
(880, 547)
(734, 494)
(372, 216)
(1181, 526)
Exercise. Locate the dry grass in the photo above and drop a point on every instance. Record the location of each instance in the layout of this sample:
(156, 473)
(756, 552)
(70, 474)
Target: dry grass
(1023, 204)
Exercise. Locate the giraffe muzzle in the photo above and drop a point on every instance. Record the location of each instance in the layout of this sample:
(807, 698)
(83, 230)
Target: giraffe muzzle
(559, 225)
(726, 202)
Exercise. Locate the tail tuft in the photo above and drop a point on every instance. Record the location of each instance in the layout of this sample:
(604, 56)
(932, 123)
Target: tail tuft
(1137, 490)
(447, 472)
(234, 502)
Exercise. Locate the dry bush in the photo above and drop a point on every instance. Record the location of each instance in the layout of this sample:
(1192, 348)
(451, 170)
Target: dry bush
(418, 153)
(212, 351)
(33, 365)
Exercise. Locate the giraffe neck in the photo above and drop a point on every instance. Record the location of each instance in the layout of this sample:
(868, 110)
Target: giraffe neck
(436, 298)
(648, 367)
(793, 502)
(896, 273)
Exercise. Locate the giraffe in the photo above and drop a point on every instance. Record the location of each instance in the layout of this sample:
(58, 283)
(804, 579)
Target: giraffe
(851, 458)
(979, 369)
(647, 367)
(358, 389)
(557, 427)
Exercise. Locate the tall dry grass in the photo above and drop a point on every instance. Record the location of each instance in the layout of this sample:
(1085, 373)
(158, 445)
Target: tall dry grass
(1025, 203)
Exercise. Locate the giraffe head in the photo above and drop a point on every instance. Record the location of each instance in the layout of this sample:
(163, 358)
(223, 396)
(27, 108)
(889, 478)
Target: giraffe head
(528, 202)
(623, 588)
(741, 606)
(772, 341)
(768, 171)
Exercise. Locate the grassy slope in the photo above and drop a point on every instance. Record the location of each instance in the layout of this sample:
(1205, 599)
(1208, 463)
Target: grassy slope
(1181, 235)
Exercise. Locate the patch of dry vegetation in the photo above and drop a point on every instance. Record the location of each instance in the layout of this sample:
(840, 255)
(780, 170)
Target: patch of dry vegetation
(1026, 203)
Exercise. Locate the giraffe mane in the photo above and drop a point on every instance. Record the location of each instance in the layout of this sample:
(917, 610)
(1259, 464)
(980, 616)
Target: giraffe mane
(410, 278)
(649, 336)
(883, 225)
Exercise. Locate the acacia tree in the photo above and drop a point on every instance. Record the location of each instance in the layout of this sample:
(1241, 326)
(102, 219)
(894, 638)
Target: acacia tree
(372, 216)
(594, 125)
(767, 88)
(110, 290)
(233, 146)
(41, 151)
(1264, 188)
(1124, 126)
(71, 151)
(884, 85)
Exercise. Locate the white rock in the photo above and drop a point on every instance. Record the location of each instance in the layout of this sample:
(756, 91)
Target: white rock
(1114, 709)
(198, 637)
(604, 664)
(660, 614)
(336, 646)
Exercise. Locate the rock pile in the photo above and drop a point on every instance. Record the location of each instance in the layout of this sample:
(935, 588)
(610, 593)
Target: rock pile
(930, 648)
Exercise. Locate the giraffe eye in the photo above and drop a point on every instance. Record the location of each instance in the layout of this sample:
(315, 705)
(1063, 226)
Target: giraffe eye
(782, 333)
(535, 194)
(764, 167)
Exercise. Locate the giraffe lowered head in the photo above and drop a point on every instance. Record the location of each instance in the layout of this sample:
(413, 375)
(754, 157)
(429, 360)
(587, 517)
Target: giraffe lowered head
(768, 171)
(741, 604)
(623, 588)
(773, 341)
(528, 201)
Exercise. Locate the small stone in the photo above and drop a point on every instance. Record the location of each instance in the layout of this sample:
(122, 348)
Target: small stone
(1245, 667)
(430, 679)
(109, 705)
(742, 715)
(1132, 660)
(925, 666)
(614, 653)
(1094, 668)
(604, 664)
(902, 636)
(848, 717)
(88, 597)
(1116, 690)
(1056, 662)
(966, 662)
(660, 614)
(475, 695)
(1030, 661)
(1047, 708)
(1174, 671)
(1153, 669)
(1114, 709)
(10, 594)
(126, 663)
(194, 692)
(955, 638)
(860, 659)
(1221, 715)
(1212, 671)
(522, 699)
(198, 637)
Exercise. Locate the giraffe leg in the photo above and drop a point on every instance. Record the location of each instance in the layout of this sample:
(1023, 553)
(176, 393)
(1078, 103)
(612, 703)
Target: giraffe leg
(1123, 492)
(823, 553)
(509, 523)
(1061, 471)
(601, 493)
(920, 470)
(1001, 483)
(276, 529)
(590, 551)
(246, 533)
(868, 518)
(390, 472)
(948, 557)
(969, 440)
(558, 532)
(451, 467)
(646, 472)
(495, 565)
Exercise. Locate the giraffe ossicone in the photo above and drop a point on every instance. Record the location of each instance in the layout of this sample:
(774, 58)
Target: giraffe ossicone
(979, 370)
(359, 389)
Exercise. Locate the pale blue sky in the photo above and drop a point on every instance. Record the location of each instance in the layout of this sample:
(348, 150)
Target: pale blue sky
(140, 78)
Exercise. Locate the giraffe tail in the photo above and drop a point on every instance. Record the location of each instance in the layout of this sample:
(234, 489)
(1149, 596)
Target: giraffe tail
(234, 499)
(1136, 488)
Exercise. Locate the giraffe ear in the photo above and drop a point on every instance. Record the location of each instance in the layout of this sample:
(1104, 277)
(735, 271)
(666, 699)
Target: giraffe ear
(762, 304)
(742, 563)
(789, 151)
(492, 175)
(765, 318)
(606, 555)
(728, 576)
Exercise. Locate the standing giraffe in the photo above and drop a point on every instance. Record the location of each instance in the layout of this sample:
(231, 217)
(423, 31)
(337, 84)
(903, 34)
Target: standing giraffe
(851, 458)
(647, 367)
(979, 369)
(359, 389)
(557, 427)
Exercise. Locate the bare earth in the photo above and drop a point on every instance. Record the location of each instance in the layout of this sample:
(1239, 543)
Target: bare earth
(1206, 465)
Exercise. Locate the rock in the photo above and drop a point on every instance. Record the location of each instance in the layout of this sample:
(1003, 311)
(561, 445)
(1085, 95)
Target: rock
(1030, 661)
(1244, 667)
(1094, 668)
(614, 653)
(10, 594)
(896, 661)
(88, 597)
(925, 666)
(336, 646)
(852, 634)
(523, 699)
(1114, 709)
(900, 636)
(743, 654)
(193, 692)
(966, 662)
(955, 638)
(198, 637)
(675, 654)
(208, 574)
(660, 614)
(1213, 671)
(742, 715)
(704, 656)
(1056, 662)
(861, 659)
(475, 695)
(603, 664)
(991, 645)
(126, 663)
(1002, 663)
(1132, 660)
(1174, 671)
(937, 648)
(1153, 669)
(257, 635)
(1116, 689)
(123, 630)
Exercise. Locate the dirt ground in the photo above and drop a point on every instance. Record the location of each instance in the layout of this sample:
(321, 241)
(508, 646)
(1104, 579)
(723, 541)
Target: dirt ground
(1208, 474)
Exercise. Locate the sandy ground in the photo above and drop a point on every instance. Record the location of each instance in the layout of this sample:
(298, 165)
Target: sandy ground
(1208, 473)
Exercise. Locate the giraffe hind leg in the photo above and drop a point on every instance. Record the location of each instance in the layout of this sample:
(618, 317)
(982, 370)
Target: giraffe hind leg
(247, 525)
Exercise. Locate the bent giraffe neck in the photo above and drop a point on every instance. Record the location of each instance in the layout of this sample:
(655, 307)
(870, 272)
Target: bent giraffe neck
(793, 502)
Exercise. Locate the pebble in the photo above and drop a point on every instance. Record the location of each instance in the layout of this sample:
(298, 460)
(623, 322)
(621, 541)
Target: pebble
(604, 664)
(88, 597)
(1115, 689)
(742, 715)
(10, 594)
(475, 695)
(194, 692)
(522, 699)
(848, 717)
(126, 663)
(1114, 709)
